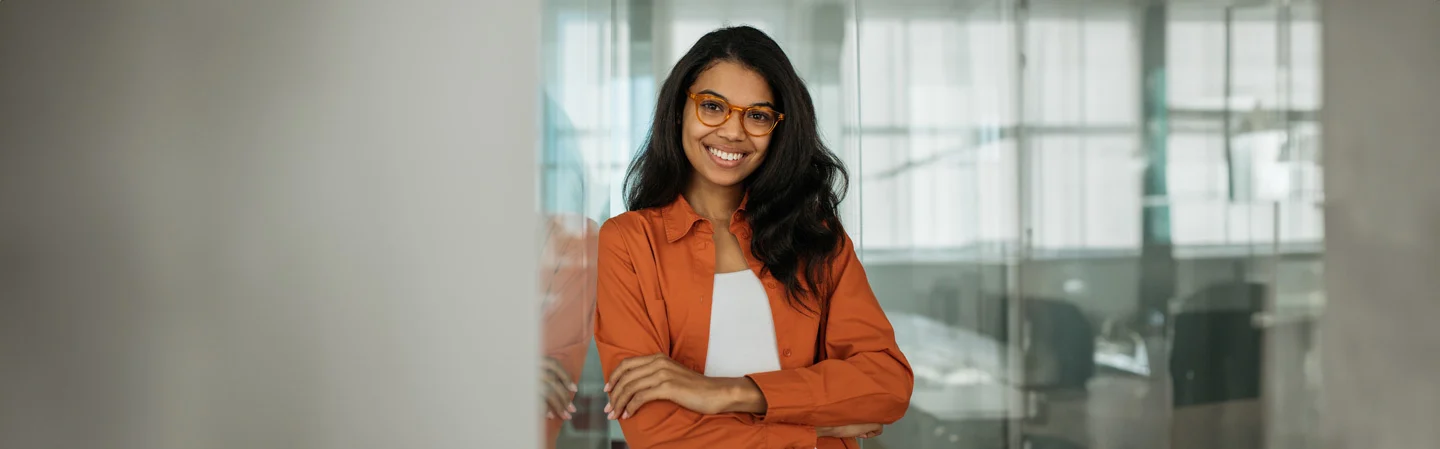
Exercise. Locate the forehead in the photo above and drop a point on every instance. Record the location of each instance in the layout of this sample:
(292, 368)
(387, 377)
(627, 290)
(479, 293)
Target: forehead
(739, 85)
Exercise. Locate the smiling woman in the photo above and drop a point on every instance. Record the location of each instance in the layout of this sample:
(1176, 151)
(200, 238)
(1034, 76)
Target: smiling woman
(732, 310)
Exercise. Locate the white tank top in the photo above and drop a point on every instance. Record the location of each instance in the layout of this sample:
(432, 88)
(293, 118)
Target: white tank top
(742, 329)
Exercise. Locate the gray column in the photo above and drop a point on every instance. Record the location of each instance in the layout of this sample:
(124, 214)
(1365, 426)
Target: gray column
(1380, 340)
(270, 224)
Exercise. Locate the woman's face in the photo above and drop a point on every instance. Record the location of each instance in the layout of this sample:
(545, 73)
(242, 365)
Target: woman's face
(725, 155)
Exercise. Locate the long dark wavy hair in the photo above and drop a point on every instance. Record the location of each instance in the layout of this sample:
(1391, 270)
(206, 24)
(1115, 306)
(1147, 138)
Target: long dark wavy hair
(794, 195)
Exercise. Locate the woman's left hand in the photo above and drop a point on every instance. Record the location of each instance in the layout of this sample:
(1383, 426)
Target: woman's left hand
(639, 380)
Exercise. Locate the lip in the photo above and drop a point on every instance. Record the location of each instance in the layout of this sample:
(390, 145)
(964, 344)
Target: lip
(722, 163)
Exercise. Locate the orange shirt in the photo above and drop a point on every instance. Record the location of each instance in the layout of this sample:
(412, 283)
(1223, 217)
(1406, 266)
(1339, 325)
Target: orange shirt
(656, 275)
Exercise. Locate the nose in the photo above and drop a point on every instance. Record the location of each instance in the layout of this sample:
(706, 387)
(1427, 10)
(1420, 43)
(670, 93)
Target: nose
(732, 130)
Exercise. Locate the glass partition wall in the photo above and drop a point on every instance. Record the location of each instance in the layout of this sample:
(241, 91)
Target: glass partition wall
(1093, 223)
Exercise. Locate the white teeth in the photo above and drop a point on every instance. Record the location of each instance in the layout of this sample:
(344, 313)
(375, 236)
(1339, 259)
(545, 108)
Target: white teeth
(725, 155)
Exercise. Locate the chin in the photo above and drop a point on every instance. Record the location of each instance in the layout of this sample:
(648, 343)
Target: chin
(722, 181)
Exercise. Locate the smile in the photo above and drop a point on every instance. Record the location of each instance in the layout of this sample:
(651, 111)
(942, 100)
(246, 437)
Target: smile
(725, 155)
(725, 159)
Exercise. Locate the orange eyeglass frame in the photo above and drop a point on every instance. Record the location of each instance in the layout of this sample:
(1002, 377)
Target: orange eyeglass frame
(743, 109)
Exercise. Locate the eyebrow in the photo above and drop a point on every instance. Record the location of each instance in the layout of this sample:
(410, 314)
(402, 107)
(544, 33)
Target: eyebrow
(727, 100)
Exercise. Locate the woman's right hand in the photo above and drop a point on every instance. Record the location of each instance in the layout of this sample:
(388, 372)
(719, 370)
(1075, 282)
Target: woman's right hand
(850, 431)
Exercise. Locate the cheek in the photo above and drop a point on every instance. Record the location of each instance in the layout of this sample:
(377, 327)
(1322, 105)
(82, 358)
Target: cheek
(762, 146)
(692, 130)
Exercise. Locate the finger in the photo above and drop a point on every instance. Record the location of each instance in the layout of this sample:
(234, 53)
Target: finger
(624, 367)
(553, 368)
(634, 382)
(626, 373)
(642, 398)
(858, 430)
(553, 387)
(557, 397)
(627, 365)
(626, 393)
(555, 406)
(621, 372)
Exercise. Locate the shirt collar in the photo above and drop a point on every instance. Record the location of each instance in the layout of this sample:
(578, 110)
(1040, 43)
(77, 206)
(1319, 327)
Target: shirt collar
(680, 218)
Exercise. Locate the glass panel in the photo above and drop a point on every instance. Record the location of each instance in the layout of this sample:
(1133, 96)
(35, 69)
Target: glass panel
(583, 145)
(938, 190)
(1093, 224)
(1225, 172)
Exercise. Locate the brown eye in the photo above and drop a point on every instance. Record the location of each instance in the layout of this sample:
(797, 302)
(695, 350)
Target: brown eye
(759, 116)
(712, 105)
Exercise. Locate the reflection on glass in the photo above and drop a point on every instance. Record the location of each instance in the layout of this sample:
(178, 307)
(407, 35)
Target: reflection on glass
(567, 279)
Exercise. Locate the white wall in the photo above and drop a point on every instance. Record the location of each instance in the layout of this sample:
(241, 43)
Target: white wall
(272, 224)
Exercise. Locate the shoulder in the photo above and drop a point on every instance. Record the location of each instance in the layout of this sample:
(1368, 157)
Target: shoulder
(844, 255)
(630, 227)
(843, 243)
(629, 223)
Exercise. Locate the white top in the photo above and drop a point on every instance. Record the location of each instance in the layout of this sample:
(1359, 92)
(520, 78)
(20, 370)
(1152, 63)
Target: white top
(742, 330)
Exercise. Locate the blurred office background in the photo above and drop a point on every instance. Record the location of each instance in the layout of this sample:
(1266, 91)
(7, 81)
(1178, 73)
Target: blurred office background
(1093, 223)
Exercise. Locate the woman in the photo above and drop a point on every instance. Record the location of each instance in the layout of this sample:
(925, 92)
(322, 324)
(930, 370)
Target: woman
(731, 309)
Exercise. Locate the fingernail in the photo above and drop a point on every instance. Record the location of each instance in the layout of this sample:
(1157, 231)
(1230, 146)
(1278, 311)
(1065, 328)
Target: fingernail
(574, 388)
(607, 408)
(611, 416)
(549, 415)
(566, 415)
(571, 408)
(626, 416)
(607, 387)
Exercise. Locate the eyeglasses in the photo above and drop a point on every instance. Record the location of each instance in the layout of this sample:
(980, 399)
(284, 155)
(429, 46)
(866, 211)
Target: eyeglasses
(714, 111)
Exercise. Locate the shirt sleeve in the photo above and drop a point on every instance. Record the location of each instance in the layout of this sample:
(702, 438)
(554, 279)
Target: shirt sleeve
(628, 324)
(866, 378)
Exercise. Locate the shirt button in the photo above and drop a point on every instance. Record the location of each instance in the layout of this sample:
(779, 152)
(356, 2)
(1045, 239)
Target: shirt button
(772, 285)
(787, 352)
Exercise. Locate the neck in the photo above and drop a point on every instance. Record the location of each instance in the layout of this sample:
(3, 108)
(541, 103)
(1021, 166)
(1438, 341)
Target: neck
(715, 203)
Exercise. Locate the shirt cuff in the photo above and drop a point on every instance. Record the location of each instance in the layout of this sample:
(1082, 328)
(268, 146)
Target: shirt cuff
(788, 396)
(791, 436)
